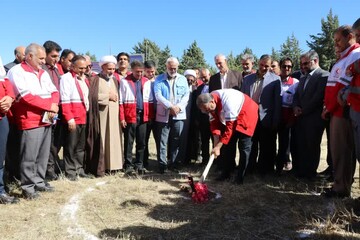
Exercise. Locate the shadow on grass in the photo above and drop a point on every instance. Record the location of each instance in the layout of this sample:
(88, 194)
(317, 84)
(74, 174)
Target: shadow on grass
(266, 207)
(252, 211)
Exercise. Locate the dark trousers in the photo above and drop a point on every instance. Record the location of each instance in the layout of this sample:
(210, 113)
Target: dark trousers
(283, 155)
(309, 131)
(205, 135)
(228, 153)
(135, 132)
(149, 128)
(34, 155)
(56, 144)
(74, 150)
(226, 160)
(4, 131)
(263, 150)
(12, 160)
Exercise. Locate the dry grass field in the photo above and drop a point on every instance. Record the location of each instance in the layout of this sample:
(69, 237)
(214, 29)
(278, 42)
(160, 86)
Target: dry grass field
(152, 207)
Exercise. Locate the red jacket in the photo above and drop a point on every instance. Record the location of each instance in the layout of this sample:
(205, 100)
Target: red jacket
(127, 99)
(234, 111)
(354, 95)
(5, 90)
(337, 80)
(35, 95)
(72, 98)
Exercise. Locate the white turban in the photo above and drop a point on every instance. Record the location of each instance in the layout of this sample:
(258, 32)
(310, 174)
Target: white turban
(107, 59)
(190, 72)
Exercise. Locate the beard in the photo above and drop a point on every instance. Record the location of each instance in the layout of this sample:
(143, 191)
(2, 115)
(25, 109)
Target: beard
(172, 75)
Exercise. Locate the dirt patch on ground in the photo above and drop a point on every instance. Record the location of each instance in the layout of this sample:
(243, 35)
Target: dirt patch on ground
(152, 207)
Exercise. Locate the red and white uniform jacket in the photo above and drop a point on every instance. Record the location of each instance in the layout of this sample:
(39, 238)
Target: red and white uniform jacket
(35, 93)
(72, 99)
(354, 91)
(127, 99)
(338, 79)
(234, 111)
(6, 89)
(288, 89)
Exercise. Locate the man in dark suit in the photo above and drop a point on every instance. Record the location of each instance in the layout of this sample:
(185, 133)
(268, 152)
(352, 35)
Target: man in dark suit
(225, 78)
(203, 118)
(19, 53)
(264, 87)
(308, 105)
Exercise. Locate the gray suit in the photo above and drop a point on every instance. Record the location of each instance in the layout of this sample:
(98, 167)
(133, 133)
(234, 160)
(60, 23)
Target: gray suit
(269, 119)
(310, 126)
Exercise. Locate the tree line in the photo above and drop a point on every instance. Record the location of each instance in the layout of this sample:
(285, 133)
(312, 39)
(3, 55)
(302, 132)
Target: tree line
(193, 56)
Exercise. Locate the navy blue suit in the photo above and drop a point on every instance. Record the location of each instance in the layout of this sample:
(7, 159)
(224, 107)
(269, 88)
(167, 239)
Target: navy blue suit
(269, 119)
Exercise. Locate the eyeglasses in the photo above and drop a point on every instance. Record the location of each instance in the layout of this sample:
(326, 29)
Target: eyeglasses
(286, 66)
(89, 66)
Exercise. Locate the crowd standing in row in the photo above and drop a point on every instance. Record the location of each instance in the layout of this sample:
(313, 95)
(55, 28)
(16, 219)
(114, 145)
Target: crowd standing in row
(49, 101)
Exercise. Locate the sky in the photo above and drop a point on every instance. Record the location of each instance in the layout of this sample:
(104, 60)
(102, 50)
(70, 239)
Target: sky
(113, 26)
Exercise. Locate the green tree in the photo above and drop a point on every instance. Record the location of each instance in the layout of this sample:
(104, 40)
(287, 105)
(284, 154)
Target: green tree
(233, 62)
(193, 57)
(275, 54)
(290, 48)
(149, 48)
(323, 43)
(164, 55)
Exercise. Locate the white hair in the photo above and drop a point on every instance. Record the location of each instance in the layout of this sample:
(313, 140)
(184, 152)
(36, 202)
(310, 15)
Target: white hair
(172, 59)
(219, 55)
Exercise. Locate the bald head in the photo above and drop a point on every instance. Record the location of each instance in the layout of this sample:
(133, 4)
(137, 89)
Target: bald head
(19, 53)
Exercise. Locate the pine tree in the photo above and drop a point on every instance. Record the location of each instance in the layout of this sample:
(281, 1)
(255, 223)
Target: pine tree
(149, 48)
(292, 50)
(275, 54)
(233, 63)
(323, 43)
(164, 55)
(192, 58)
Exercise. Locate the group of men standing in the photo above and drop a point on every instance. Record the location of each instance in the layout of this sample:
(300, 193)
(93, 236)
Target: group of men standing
(295, 110)
(54, 101)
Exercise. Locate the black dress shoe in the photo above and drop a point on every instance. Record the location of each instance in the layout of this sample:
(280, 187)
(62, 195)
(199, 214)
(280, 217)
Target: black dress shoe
(130, 172)
(174, 169)
(30, 196)
(330, 193)
(84, 175)
(45, 188)
(71, 178)
(141, 171)
(7, 199)
(52, 177)
(326, 172)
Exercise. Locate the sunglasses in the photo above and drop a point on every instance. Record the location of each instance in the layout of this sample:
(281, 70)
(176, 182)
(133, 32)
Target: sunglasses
(286, 66)
(89, 66)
